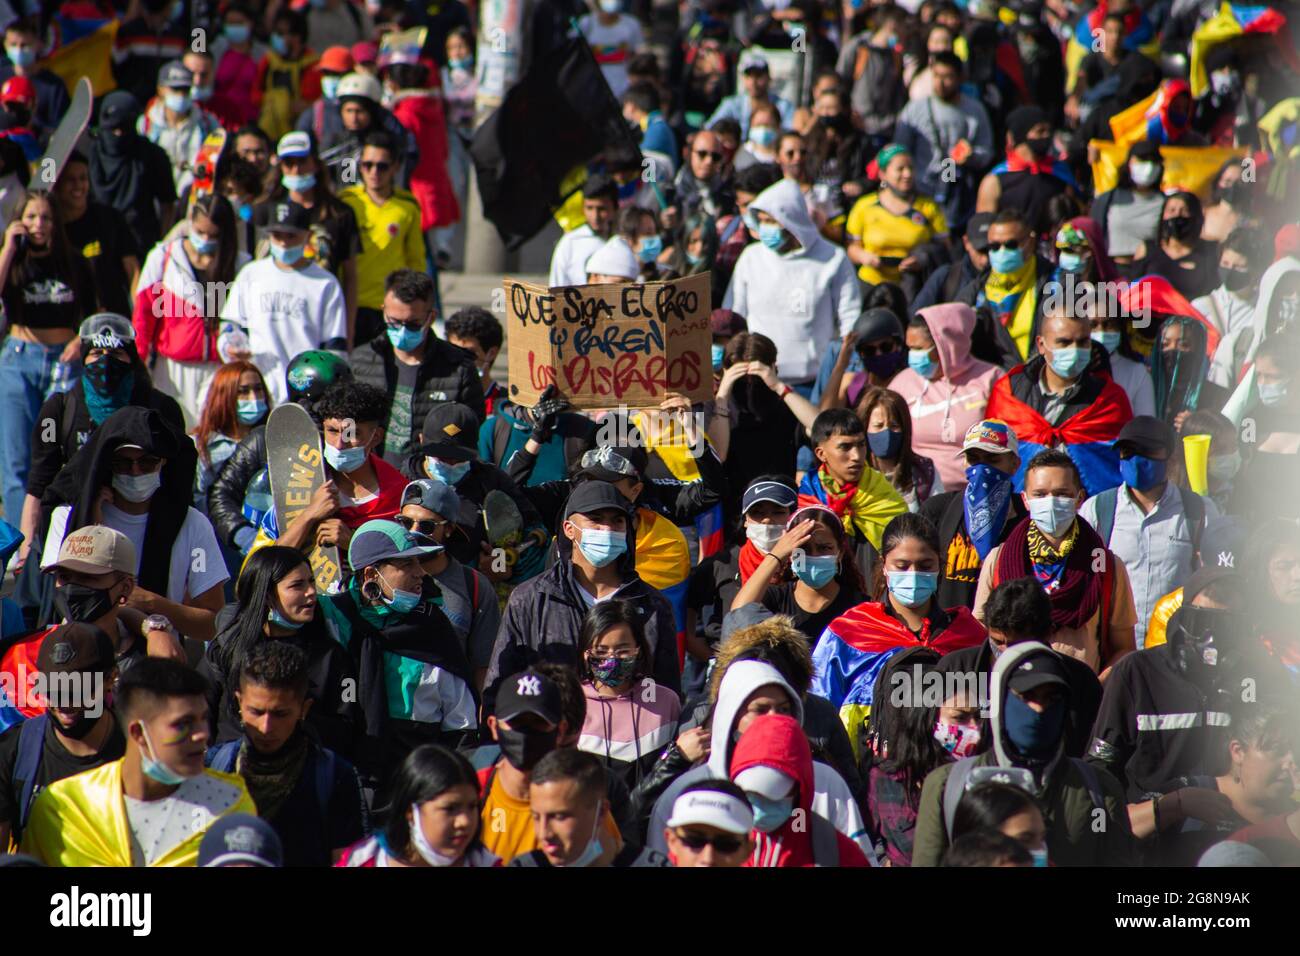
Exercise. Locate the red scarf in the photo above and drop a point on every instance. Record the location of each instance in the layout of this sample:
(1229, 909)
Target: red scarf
(1039, 167)
(1079, 593)
(750, 559)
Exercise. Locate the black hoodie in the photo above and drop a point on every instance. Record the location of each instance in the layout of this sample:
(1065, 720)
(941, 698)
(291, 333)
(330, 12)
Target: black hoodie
(90, 471)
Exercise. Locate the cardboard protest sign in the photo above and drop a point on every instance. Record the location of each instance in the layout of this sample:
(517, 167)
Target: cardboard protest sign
(608, 345)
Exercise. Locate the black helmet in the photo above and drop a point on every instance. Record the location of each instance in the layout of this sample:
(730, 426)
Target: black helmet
(311, 373)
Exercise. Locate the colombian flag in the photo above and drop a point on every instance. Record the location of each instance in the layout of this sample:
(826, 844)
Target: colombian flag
(84, 47)
(1149, 118)
(1185, 167)
(663, 561)
(1088, 436)
(709, 528)
(1154, 295)
(1234, 20)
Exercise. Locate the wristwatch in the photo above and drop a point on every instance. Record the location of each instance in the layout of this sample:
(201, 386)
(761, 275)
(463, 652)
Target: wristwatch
(155, 622)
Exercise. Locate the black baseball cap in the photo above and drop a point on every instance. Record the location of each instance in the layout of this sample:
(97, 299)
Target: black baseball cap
(1037, 670)
(451, 432)
(288, 217)
(75, 649)
(592, 496)
(119, 109)
(1146, 435)
(977, 230)
(529, 692)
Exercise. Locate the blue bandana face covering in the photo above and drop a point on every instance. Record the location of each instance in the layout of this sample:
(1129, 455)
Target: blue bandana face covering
(1141, 472)
(986, 501)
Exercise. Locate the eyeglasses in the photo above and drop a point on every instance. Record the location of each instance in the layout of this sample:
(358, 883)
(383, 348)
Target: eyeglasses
(144, 465)
(604, 655)
(998, 246)
(723, 842)
(610, 460)
(376, 165)
(423, 526)
(708, 154)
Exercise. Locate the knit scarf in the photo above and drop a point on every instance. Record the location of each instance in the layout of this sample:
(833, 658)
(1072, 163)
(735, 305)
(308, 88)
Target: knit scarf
(1066, 573)
(270, 778)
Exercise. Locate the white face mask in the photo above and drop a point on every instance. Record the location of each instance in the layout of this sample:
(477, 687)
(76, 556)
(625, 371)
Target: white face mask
(138, 488)
(764, 536)
(422, 844)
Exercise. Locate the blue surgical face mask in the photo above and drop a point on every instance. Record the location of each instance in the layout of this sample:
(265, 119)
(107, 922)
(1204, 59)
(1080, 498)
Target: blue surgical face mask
(920, 362)
(402, 602)
(250, 410)
(1110, 341)
(769, 814)
(1040, 856)
(445, 471)
(405, 339)
(237, 32)
(912, 588)
(298, 183)
(329, 87)
(885, 444)
(817, 572)
(286, 254)
(245, 211)
(1006, 260)
(154, 768)
(138, 488)
(770, 235)
(1052, 514)
(177, 102)
(601, 546)
(1141, 472)
(346, 460)
(456, 63)
(201, 94)
(764, 136)
(279, 44)
(1272, 393)
(651, 247)
(1070, 262)
(1070, 363)
(21, 56)
(279, 620)
(203, 246)
(717, 352)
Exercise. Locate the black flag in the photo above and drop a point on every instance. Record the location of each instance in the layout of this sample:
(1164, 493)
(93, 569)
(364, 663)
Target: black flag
(560, 114)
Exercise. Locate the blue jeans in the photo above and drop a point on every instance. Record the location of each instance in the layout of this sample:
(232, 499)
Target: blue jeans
(29, 373)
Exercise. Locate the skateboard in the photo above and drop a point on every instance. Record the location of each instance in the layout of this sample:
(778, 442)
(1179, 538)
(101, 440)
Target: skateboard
(294, 457)
(64, 138)
(206, 163)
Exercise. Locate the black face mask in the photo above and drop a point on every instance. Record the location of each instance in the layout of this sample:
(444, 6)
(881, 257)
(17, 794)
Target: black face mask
(1180, 227)
(107, 375)
(1208, 644)
(1234, 280)
(524, 748)
(76, 602)
(1237, 195)
(838, 123)
(1039, 146)
(80, 728)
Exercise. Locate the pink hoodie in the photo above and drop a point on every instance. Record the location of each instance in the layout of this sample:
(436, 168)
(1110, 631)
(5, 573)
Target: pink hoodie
(943, 408)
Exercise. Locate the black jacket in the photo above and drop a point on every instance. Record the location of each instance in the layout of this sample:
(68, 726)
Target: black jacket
(544, 616)
(991, 342)
(226, 496)
(446, 374)
(335, 718)
(959, 572)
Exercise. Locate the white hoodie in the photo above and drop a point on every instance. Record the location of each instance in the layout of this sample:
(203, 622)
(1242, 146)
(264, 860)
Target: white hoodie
(1238, 348)
(795, 298)
(832, 798)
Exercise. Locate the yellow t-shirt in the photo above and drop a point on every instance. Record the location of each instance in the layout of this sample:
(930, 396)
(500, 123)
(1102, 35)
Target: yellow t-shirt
(507, 828)
(885, 234)
(391, 239)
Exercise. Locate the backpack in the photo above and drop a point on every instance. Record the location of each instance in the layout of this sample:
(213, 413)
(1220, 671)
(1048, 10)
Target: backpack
(31, 750)
(955, 786)
(1193, 508)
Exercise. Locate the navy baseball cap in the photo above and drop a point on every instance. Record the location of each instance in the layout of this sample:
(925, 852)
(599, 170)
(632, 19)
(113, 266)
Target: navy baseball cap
(382, 540)
(773, 491)
(437, 496)
(241, 838)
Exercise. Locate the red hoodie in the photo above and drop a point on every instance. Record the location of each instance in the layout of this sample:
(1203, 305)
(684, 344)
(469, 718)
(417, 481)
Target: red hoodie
(777, 741)
(420, 111)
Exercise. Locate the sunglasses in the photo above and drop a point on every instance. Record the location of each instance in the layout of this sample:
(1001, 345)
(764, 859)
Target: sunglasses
(145, 465)
(867, 351)
(997, 246)
(609, 460)
(423, 526)
(708, 154)
(377, 165)
(723, 843)
(398, 324)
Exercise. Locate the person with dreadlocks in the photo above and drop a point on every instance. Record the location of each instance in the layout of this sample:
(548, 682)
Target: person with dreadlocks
(1179, 371)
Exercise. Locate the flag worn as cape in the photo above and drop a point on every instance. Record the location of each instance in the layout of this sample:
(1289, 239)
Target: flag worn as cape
(1233, 20)
(1088, 436)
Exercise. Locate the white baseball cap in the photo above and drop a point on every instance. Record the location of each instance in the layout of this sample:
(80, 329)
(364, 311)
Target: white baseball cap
(712, 808)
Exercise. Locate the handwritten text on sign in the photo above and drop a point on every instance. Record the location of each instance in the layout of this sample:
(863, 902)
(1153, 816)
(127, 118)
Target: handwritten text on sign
(605, 345)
